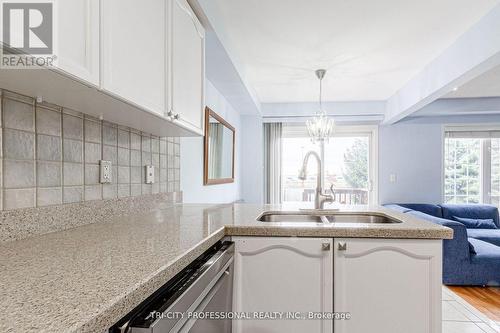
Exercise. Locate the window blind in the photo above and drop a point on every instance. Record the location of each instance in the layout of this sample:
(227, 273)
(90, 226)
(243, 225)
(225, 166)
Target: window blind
(299, 130)
(468, 133)
(294, 130)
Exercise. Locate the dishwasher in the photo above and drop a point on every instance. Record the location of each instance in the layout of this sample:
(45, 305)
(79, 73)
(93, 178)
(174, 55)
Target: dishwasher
(196, 300)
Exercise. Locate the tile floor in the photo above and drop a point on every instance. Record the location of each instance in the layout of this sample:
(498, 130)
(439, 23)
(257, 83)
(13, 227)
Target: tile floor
(461, 317)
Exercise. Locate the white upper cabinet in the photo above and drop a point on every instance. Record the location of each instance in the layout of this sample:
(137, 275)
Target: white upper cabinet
(388, 285)
(134, 51)
(188, 66)
(138, 63)
(293, 275)
(78, 39)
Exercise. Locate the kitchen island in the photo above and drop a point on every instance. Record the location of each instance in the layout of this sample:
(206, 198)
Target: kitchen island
(87, 278)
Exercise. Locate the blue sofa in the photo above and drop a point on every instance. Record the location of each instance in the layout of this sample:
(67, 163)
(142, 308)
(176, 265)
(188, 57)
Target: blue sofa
(472, 257)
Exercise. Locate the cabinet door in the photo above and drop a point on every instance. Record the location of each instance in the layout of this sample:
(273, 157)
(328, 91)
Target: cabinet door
(286, 275)
(188, 65)
(134, 51)
(387, 285)
(78, 39)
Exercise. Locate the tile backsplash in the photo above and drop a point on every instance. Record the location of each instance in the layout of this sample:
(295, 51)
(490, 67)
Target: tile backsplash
(50, 155)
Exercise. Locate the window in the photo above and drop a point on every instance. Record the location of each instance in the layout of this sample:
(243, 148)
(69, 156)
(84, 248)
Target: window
(294, 189)
(462, 170)
(348, 165)
(472, 166)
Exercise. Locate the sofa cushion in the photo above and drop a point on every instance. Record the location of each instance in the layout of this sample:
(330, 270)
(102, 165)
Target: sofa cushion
(476, 223)
(456, 249)
(486, 253)
(471, 212)
(430, 209)
(398, 208)
(437, 220)
(472, 250)
(488, 235)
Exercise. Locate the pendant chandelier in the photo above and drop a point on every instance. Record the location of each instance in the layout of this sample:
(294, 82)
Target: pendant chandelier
(320, 128)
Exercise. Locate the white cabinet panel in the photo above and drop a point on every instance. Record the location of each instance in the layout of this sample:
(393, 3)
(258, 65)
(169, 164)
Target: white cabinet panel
(387, 285)
(286, 275)
(134, 51)
(78, 38)
(188, 65)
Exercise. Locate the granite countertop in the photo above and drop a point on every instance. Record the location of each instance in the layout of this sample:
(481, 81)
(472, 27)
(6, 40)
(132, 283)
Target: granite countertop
(86, 278)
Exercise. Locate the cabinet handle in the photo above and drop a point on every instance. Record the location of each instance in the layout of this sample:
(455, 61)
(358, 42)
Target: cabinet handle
(325, 247)
(342, 246)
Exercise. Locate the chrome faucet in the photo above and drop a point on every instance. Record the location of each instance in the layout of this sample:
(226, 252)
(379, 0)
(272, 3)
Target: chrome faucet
(321, 198)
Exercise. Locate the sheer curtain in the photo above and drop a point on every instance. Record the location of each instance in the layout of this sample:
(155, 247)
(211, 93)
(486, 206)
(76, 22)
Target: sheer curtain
(272, 162)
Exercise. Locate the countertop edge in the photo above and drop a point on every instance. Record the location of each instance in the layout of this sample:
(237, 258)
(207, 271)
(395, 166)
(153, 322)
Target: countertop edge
(125, 303)
(345, 232)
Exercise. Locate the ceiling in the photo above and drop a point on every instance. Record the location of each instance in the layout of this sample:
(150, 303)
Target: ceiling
(370, 48)
(485, 85)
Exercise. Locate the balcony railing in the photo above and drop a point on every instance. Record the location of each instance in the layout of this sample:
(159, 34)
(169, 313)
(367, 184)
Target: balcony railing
(351, 196)
(343, 196)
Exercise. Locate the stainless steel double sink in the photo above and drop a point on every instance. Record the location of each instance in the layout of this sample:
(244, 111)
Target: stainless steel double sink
(325, 217)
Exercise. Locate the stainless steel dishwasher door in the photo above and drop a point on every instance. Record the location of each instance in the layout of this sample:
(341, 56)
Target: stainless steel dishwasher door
(217, 303)
(205, 290)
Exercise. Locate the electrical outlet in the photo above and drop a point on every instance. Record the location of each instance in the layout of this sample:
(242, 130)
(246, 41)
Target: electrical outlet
(150, 174)
(105, 172)
(392, 178)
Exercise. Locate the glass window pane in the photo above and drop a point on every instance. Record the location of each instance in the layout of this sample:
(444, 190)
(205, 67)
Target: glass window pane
(449, 199)
(347, 169)
(462, 170)
(293, 152)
